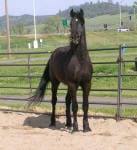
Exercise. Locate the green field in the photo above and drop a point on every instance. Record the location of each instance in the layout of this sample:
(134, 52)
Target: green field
(104, 39)
(51, 41)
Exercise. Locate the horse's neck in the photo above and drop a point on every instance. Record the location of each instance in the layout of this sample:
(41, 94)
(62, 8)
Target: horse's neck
(83, 44)
(82, 47)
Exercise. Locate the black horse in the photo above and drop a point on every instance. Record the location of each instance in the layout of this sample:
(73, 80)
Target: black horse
(72, 66)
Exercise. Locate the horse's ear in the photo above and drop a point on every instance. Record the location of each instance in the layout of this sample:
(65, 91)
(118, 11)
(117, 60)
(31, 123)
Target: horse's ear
(81, 12)
(71, 13)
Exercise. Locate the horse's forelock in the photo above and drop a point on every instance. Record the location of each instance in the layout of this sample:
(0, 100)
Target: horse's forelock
(78, 14)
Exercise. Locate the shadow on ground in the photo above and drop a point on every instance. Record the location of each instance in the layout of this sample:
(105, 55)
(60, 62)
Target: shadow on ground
(42, 121)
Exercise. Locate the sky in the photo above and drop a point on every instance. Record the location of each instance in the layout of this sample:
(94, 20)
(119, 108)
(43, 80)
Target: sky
(45, 7)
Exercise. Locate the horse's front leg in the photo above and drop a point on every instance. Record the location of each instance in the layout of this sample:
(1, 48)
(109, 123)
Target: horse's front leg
(54, 101)
(68, 112)
(86, 90)
(73, 89)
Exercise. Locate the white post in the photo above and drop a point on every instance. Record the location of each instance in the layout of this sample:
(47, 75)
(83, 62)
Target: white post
(35, 44)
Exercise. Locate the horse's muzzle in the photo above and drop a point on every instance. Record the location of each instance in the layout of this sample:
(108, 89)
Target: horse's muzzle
(75, 39)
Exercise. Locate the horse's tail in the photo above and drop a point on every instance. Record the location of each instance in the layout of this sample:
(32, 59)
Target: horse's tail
(39, 94)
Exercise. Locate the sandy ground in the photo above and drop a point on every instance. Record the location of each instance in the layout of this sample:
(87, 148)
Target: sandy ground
(31, 132)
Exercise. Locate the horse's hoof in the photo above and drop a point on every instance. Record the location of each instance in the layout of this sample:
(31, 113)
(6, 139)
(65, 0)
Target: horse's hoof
(68, 125)
(52, 125)
(87, 129)
(75, 129)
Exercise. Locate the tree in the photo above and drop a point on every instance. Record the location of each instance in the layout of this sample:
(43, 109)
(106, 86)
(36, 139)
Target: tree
(135, 4)
(110, 1)
(18, 29)
(53, 24)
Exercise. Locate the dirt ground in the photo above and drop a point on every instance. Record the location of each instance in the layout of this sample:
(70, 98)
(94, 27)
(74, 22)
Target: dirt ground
(31, 132)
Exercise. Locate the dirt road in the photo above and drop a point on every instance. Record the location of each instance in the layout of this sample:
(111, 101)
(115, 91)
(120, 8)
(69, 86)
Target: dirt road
(31, 132)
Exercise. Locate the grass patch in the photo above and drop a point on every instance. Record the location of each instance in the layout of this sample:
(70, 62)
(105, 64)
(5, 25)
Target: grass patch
(50, 42)
(60, 109)
(129, 112)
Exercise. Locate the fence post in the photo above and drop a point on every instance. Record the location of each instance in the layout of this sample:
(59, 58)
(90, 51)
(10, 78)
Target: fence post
(29, 74)
(119, 84)
(135, 63)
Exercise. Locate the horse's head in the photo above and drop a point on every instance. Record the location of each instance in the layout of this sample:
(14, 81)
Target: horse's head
(76, 26)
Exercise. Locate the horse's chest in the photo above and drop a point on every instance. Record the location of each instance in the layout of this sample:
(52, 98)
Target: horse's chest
(76, 70)
(74, 65)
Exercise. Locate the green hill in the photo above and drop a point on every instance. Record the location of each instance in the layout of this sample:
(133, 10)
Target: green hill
(96, 14)
(92, 10)
(97, 23)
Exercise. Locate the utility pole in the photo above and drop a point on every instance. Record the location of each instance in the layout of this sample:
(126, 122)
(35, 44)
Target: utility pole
(7, 29)
(135, 18)
(120, 16)
(135, 7)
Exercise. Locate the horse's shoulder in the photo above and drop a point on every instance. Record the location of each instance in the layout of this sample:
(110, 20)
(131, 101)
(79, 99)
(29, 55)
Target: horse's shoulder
(62, 49)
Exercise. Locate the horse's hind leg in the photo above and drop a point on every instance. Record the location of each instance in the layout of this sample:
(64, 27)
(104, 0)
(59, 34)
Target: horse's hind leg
(54, 101)
(68, 112)
(86, 90)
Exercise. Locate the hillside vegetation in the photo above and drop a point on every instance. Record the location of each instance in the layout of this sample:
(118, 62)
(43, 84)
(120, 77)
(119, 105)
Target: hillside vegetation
(96, 14)
(92, 10)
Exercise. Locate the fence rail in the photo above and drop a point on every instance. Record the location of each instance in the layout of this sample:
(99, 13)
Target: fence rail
(118, 102)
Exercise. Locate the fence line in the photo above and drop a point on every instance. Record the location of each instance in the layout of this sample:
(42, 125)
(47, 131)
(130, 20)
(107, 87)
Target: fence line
(119, 76)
